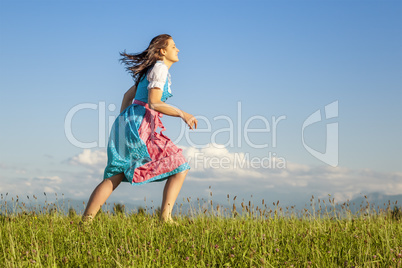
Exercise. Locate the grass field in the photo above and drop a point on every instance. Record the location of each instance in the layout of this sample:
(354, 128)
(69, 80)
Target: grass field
(208, 236)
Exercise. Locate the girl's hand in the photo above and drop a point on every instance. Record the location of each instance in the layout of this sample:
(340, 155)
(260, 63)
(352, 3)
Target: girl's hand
(190, 120)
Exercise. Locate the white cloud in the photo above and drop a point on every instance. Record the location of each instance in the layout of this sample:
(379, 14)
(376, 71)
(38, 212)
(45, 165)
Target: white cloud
(218, 165)
(94, 161)
(20, 171)
(227, 172)
(51, 179)
(4, 166)
(216, 161)
(49, 190)
(294, 167)
(89, 157)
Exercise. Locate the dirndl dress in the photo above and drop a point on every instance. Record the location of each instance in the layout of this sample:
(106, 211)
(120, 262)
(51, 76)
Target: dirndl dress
(136, 149)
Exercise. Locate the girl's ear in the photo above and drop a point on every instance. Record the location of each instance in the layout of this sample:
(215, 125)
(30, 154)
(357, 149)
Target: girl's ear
(162, 52)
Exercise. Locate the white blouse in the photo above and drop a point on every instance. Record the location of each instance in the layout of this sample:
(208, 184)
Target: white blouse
(157, 76)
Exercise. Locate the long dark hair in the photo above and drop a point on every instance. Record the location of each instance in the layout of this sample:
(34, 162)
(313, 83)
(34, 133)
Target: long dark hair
(138, 64)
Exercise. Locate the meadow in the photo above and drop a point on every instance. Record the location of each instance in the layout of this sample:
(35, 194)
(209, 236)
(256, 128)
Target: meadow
(240, 234)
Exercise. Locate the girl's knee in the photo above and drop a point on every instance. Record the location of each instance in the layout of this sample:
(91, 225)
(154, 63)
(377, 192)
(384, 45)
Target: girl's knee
(116, 180)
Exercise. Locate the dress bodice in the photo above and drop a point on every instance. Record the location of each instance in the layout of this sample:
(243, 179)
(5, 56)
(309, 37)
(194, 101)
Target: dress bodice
(160, 77)
(142, 91)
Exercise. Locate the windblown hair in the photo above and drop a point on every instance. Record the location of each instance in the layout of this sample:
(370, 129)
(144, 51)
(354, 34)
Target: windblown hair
(138, 64)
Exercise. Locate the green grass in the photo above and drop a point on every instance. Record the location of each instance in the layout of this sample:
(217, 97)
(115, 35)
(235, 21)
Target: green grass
(213, 237)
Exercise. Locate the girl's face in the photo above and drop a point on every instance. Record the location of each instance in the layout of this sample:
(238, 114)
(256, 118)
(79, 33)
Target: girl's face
(170, 52)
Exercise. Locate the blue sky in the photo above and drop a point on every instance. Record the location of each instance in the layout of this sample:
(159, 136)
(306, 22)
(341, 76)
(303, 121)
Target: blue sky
(275, 58)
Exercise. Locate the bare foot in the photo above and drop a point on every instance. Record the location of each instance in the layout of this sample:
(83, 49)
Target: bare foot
(86, 220)
(169, 221)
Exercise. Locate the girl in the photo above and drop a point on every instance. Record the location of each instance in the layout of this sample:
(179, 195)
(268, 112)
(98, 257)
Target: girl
(136, 152)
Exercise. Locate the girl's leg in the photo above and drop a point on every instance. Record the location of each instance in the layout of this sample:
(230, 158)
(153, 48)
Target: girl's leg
(101, 194)
(170, 193)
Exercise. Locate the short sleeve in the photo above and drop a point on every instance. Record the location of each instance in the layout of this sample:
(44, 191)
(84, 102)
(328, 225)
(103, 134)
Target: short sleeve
(158, 75)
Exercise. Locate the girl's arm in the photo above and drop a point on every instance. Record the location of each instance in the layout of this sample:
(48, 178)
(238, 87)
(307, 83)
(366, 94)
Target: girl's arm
(128, 98)
(155, 103)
